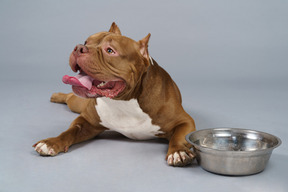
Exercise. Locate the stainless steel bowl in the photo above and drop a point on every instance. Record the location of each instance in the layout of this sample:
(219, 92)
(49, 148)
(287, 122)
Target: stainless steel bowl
(232, 151)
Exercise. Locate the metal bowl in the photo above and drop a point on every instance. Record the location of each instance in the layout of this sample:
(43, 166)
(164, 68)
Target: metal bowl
(232, 151)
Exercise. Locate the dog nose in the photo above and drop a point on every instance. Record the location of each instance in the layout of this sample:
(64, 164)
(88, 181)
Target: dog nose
(80, 49)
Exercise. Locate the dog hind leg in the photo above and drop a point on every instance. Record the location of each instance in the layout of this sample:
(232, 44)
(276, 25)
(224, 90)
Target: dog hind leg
(60, 97)
(75, 103)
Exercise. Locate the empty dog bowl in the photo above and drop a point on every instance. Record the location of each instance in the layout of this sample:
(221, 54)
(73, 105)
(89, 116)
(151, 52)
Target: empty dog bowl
(232, 151)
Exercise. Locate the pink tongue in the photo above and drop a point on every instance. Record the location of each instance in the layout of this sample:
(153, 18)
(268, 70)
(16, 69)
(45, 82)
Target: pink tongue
(81, 80)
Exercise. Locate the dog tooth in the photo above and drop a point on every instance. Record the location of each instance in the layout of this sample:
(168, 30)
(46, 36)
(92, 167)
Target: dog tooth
(101, 84)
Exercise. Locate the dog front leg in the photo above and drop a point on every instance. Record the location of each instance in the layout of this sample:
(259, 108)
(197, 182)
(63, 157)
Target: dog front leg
(80, 130)
(179, 153)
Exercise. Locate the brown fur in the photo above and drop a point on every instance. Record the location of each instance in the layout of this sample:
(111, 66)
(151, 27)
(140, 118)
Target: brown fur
(156, 92)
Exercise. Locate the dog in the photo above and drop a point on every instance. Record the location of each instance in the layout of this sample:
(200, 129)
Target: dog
(119, 87)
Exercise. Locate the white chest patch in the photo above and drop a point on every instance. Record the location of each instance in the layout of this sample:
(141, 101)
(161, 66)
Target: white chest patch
(127, 118)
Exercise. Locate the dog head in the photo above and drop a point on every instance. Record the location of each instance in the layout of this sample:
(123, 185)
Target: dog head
(109, 65)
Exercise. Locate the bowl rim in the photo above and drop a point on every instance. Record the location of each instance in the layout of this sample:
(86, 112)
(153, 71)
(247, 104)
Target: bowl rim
(210, 150)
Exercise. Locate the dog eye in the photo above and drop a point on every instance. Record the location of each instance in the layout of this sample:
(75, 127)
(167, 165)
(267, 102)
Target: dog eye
(85, 42)
(110, 51)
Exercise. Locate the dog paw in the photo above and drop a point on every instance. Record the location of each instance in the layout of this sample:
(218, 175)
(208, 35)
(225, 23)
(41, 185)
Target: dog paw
(180, 158)
(58, 98)
(50, 147)
(43, 149)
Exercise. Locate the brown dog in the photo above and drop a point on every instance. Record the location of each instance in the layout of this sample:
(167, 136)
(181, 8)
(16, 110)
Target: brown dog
(121, 88)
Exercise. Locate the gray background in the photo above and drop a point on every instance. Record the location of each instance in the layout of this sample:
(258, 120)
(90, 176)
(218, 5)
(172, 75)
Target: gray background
(229, 59)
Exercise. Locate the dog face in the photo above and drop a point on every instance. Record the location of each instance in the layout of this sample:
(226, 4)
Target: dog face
(109, 64)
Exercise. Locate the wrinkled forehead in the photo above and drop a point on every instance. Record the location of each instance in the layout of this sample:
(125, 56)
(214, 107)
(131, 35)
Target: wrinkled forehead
(112, 38)
(97, 37)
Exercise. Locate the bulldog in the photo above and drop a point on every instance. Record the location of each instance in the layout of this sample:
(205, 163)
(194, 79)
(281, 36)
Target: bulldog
(119, 87)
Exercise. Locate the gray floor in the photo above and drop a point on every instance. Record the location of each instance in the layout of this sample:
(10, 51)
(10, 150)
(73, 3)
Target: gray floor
(229, 60)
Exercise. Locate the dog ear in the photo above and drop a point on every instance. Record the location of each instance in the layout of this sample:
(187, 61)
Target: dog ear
(114, 29)
(144, 46)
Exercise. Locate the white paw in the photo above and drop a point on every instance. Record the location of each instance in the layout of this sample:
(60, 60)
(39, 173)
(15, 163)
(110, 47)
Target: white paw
(43, 149)
(180, 158)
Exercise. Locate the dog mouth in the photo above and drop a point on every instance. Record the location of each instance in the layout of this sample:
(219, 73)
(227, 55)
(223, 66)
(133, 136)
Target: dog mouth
(87, 86)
